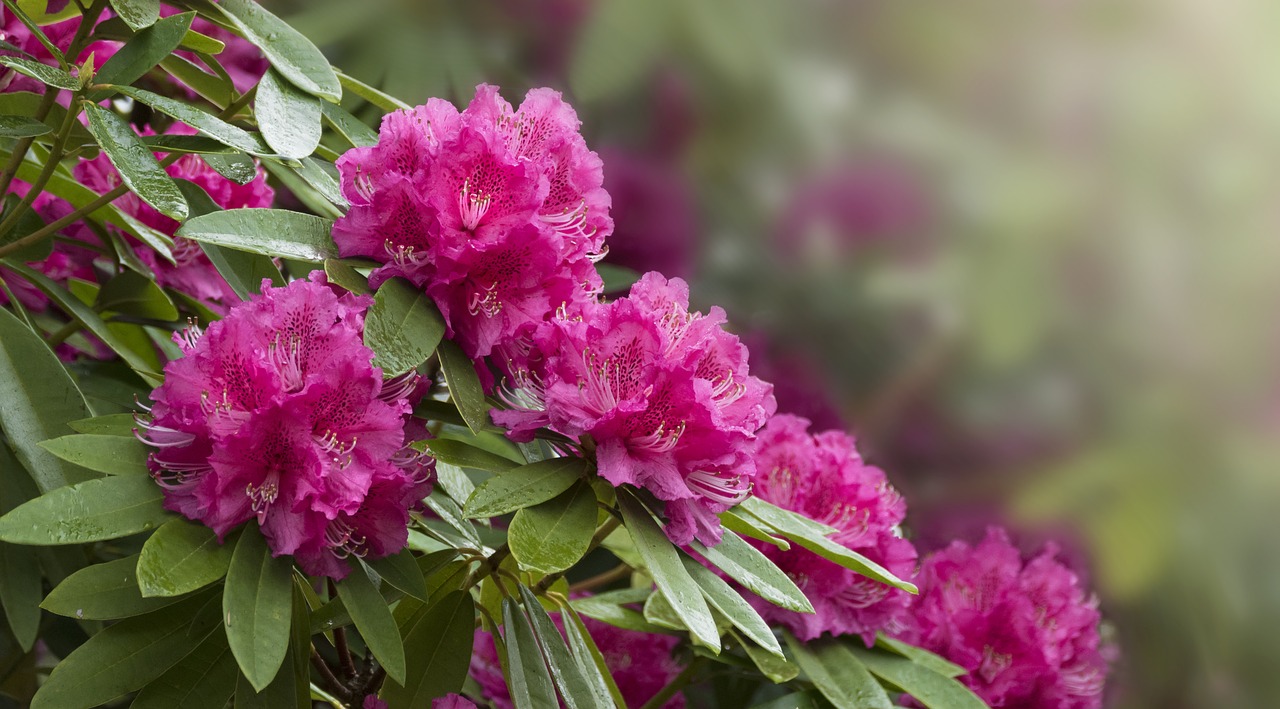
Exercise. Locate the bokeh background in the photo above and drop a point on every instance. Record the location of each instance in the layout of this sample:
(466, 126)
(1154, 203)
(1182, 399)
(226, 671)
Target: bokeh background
(1025, 250)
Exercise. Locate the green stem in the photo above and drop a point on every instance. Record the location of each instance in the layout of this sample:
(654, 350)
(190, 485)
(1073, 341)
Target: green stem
(50, 165)
(680, 682)
(64, 332)
(488, 566)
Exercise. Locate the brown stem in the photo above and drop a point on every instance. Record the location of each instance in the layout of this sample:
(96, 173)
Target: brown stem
(50, 165)
(488, 566)
(621, 571)
(331, 681)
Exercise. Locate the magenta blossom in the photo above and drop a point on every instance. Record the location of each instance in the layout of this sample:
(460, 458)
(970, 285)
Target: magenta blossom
(1027, 633)
(640, 663)
(276, 413)
(193, 273)
(823, 477)
(665, 394)
(452, 701)
(496, 213)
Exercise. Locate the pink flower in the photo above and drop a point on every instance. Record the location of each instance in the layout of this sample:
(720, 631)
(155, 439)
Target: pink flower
(496, 213)
(665, 394)
(823, 477)
(452, 701)
(13, 31)
(192, 273)
(640, 663)
(276, 413)
(1027, 633)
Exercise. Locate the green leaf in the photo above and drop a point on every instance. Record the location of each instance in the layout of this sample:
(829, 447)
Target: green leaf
(126, 656)
(438, 641)
(288, 117)
(271, 232)
(237, 167)
(838, 674)
(795, 700)
(467, 456)
(45, 74)
(524, 486)
(91, 511)
(926, 686)
(402, 328)
(382, 100)
(920, 656)
(777, 669)
(292, 54)
(143, 51)
(772, 515)
(351, 128)
(289, 688)
(664, 565)
(120, 425)
(464, 386)
(135, 162)
(801, 530)
(527, 675)
(554, 535)
(103, 592)
(746, 565)
(202, 43)
(20, 590)
(603, 689)
(616, 278)
(22, 127)
(746, 528)
(137, 13)
(373, 619)
(37, 399)
(342, 274)
(28, 223)
(134, 294)
(402, 571)
(448, 511)
(217, 90)
(181, 557)
(724, 599)
(206, 123)
(113, 455)
(256, 606)
(204, 679)
(570, 679)
(610, 607)
(192, 144)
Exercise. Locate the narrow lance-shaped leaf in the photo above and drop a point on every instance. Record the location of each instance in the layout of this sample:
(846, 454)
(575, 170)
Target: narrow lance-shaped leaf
(104, 591)
(143, 51)
(373, 619)
(524, 486)
(256, 604)
(113, 455)
(91, 511)
(527, 675)
(923, 684)
(288, 117)
(20, 590)
(467, 456)
(206, 123)
(438, 641)
(603, 689)
(841, 678)
(746, 565)
(464, 386)
(132, 293)
(402, 328)
(664, 565)
(45, 74)
(204, 679)
(402, 571)
(724, 599)
(22, 127)
(135, 162)
(271, 232)
(568, 676)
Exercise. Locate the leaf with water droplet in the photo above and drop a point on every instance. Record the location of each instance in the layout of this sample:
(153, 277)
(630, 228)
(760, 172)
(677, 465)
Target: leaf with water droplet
(91, 511)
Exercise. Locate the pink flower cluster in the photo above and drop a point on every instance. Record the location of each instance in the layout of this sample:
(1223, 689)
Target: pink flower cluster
(1026, 633)
(276, 413)
(496, 213)
(192, 273)
(640, 663)
(823, 477)
(15, 32)
(665, 395)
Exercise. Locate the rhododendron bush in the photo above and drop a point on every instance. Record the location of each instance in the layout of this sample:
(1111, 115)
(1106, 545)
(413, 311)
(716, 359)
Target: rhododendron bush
(400, 444)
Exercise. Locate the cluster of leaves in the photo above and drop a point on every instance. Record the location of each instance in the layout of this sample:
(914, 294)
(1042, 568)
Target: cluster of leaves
(107, 596)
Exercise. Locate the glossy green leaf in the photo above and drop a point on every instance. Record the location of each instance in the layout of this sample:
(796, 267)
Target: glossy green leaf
(438, 642)
(37, 399)
(838, 675)
(746, 565)
(731, 605)
(103, 592)
(137, 13)
(91, 511)
(202, 43)
(113, 455)
(801, 530)
(554, 535)
(197, 144)
(292, 54)
(45, 74)
(342, 274)
(373, 619)
(464, 386)
(663, 562)
(144, 50)
(920, 656)
(448, 510)
(926, 686)
(289, 688)
(20, 590)
(134, 294)
(747, 528)
(135, 162)
(351, 128)
(382, 100)
(217, 90)
(527, 676)
(206, 123)
(288, 117)
(779, 518)
(181, 557)
(777, 668)
(606, 610)
(402, 571)
(795, 700)
(204, 679)
(256, 605)
(467, 456)
(109, 425)
(604, 691)
(126, 656)
(271, 232)
(569, 678)
(659, 612)
(22, 127)
(524, 486)
(402, 328)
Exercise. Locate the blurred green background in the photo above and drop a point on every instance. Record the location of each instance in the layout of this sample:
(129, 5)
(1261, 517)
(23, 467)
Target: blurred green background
(1025, 251)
